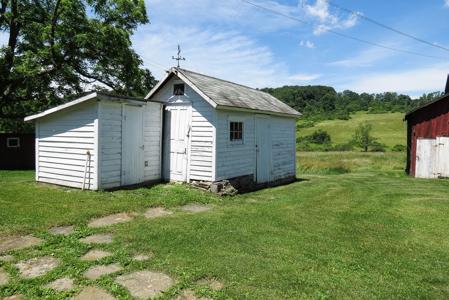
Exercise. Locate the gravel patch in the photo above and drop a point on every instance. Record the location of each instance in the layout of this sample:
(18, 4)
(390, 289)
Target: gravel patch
(95, 254)
(196, 207)
(93, 293)
(145, 284)
(61, 284)
(37, 266)
(96, 272)
(62, 230)
(102, 238)
(18, 242)
(156, 212)
(110, 220)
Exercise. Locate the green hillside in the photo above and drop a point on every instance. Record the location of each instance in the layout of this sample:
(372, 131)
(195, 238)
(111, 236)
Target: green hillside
(389, 128)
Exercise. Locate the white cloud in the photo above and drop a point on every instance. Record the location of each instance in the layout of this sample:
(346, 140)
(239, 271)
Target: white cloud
(327, 20)
(229, 55)
(446, 3)
(307, 44)
(413, 81)
(304, 77)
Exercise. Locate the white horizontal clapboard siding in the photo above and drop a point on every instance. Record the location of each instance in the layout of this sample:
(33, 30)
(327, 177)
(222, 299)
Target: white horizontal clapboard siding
(283, 147)
(235, 160)
(63, 140)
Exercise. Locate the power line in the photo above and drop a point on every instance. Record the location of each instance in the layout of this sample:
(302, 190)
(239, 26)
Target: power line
(347, 36)
(362, 16)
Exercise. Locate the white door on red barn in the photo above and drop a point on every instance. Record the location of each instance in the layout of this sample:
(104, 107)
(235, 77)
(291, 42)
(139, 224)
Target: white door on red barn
(263, 149)
(443, 156)
(426, 158)
(132, 145)
(176, 142)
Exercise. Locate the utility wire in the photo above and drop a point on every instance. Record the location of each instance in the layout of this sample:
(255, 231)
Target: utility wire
(347, 36)
(362, 16)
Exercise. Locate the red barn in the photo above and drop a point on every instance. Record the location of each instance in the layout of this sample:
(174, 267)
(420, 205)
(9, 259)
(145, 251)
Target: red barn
(428, 139)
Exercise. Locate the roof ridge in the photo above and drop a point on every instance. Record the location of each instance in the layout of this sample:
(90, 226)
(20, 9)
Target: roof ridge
(228, 81)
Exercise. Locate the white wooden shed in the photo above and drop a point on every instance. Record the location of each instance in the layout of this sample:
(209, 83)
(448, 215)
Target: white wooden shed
(190, 127)
(99, 141)
(215, 130)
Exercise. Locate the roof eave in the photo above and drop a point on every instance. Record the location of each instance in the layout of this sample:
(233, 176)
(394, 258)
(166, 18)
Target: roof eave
(296, 115)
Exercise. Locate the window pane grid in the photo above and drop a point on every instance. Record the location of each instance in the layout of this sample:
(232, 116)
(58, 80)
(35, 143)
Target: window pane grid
(236, 131)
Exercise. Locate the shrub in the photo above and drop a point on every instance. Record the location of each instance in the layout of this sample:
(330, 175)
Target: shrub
(305, 124)
(320, 137)
(399, 148)
(343, 147)
(378, 147)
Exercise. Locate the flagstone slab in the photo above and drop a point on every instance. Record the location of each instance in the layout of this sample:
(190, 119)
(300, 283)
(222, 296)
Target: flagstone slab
(156, 212)
(6, 258)
(110, 220)
(37, 266)
(14, 297)
(61, 284)
(212, 283)
(142, 257)
(93, 293)
(196, 207)
(18, 242)
(101, 238)
(96, 272)
(62, 230)
(145, 284)
(4, 277)
(95, 254)
(189, 295)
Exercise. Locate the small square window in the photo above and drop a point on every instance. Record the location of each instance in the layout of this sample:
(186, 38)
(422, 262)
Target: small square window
(236, 131)
(178, 89)
(13, 142)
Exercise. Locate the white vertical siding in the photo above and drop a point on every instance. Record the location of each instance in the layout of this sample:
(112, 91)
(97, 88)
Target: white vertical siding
(110, 148)
(235, 160)
(63, 141)
(152, 136)
(283, 147)
(202, 155)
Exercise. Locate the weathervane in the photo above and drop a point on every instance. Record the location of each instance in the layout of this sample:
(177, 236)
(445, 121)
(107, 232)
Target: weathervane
(179, 57)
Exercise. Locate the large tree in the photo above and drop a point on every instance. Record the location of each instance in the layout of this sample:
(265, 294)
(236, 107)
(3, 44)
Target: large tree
(56, 48)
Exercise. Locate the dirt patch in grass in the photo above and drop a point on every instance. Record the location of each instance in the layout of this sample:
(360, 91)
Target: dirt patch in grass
(102, 238)
(18, 242)
(62, 230)
(37, 266)
(110, 220)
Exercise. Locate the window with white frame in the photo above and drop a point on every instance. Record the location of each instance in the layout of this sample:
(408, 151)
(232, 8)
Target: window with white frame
(236, 131)
(178, 89)
(13, 142)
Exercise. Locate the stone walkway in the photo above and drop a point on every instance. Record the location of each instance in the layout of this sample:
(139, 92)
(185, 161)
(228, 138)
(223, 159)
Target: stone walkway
(37, 266)
(141, 284)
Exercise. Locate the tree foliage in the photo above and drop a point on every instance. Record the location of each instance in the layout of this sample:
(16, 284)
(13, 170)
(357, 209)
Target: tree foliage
(57, 48)
(362, 137)
(323, 102)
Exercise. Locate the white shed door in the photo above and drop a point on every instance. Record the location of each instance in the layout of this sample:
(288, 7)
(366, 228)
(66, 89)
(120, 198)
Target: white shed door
(263, 149)
(132, 145)
(443, 156)
(426, 157)
(176, 142)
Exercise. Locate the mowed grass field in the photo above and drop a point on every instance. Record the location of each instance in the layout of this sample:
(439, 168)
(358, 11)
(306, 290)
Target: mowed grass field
(389, 128)
(353, 226)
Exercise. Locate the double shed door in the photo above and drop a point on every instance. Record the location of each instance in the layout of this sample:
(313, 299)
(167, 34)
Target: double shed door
(177, 120)
(432, 158)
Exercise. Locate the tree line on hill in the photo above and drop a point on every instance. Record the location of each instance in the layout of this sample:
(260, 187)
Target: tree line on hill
(323, 102)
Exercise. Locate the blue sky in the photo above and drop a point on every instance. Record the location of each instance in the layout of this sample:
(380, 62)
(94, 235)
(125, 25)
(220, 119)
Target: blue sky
(233, 40)
(238, 42)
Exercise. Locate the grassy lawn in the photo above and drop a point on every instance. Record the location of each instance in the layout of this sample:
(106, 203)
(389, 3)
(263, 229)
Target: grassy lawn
(389, 128)
(354, 226)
